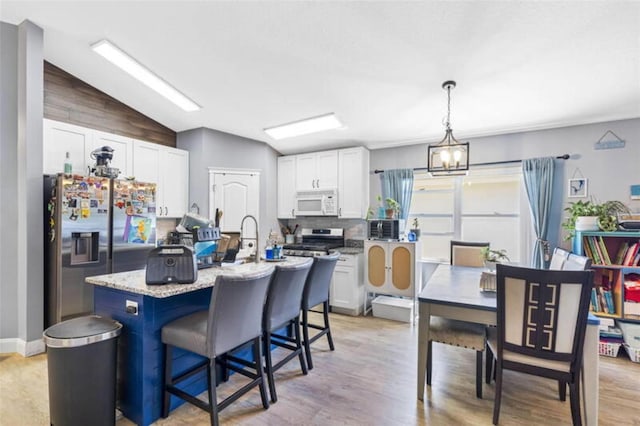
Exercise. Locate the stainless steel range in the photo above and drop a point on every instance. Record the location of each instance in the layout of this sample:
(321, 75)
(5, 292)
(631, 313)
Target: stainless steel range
(316, 242)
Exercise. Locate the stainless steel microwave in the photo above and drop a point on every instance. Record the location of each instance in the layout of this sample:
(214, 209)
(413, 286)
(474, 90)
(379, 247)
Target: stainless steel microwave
(386, 229)
(322, 202)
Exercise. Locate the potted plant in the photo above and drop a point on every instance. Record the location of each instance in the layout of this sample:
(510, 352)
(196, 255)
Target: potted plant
(381, 210)
(590, 216)
(415, 227)
(393, 208)
(491, 257)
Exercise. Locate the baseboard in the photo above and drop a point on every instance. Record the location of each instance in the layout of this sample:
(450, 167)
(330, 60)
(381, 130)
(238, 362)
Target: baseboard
(21, 347)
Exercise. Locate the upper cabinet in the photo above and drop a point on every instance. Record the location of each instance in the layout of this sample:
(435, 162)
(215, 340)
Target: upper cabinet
(286, 187)
(346, 170)
(169, 169)
(353, 183)
(317, 170)
(122, 151)
(62, 138)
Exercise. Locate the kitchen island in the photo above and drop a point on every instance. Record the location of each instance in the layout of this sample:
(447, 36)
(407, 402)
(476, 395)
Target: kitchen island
(143, 310)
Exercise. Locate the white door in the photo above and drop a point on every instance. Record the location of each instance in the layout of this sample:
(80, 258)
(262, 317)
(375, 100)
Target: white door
(236, 193)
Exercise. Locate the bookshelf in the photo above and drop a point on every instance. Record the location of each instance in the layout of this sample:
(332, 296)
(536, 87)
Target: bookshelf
(616, 260)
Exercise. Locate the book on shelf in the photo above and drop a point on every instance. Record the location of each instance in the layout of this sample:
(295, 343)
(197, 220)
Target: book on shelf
(594, 250)
(603, 249)
(630, 256)
(622, 251)
(602, 301)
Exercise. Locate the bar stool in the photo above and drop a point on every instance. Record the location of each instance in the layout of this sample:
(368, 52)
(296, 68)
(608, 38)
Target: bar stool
(316, 292)
(233, 319)
(283, 310)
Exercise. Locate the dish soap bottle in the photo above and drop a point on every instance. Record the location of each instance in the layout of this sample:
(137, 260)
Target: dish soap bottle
(68, 168)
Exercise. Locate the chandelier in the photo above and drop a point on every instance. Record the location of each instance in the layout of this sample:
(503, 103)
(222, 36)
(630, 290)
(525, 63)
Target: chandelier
(448, 156)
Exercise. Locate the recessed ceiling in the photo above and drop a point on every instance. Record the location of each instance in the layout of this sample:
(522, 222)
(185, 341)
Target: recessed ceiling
(378, 66)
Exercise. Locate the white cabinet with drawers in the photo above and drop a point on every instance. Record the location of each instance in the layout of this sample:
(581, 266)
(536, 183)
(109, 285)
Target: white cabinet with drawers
(347, 290)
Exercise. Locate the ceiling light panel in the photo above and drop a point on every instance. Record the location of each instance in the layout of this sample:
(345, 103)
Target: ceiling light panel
(305, 127)
(119, 58)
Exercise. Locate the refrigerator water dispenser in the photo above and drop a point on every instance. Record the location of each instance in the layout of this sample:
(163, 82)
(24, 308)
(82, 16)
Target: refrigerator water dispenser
(84, 247)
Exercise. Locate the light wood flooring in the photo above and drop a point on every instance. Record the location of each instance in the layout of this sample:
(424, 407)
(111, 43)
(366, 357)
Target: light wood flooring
(370, 379)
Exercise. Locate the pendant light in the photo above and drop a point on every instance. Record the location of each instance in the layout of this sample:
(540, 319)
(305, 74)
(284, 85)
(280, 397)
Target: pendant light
(448, 157)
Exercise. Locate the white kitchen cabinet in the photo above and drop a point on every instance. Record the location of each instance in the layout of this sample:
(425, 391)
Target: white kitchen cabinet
(286, 187)
(122, 151)
(347, 289)
(169, 169)
(353, 183)
(317, 170)
(60, 138)
(392, 268)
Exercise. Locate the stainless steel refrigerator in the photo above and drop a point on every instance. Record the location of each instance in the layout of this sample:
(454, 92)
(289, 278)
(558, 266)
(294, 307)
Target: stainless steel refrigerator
(93, 226)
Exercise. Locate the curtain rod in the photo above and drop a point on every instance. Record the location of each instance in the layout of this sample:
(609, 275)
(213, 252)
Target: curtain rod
(492, 163)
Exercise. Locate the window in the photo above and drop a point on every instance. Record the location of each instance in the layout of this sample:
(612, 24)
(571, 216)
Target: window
(486, 205)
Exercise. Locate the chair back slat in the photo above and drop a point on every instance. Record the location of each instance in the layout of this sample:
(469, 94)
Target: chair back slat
(285, 294)
(467, 253)
(542, 313)
(236, 309)
(558, 258)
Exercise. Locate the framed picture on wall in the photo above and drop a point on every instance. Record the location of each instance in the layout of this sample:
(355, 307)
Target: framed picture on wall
(577, 188)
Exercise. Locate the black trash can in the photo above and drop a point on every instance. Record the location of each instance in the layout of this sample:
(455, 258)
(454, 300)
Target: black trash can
(81, 358)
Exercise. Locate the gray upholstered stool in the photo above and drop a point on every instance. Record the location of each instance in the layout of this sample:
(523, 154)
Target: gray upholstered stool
(316, 292)
(233, 319)
(283, 310)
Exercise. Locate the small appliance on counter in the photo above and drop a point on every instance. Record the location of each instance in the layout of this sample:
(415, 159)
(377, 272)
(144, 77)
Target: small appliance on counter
(171, 265)
(386, 229)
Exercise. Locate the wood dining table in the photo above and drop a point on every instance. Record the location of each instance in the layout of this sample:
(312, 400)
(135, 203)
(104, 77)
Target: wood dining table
(454, 292)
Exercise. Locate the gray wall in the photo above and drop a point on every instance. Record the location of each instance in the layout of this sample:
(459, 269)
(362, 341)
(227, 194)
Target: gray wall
(21, 305)
(609, 172)
(8, 177)
(212, 148)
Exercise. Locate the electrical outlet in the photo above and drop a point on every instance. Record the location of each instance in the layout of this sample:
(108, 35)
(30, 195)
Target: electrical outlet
(131, 307)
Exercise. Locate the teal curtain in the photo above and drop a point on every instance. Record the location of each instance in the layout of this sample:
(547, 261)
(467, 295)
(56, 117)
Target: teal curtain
(398, 184)
(538, 181)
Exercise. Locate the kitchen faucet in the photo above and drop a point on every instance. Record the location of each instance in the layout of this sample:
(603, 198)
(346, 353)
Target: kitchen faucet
(257, 255)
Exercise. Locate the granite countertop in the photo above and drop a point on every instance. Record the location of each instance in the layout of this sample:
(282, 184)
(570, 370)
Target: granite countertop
(350, 250)
(134, 281)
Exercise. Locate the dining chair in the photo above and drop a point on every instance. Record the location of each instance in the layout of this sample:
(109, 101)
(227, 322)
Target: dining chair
(234, 318)
(467, 253)
(461, 333)
(558, 258)
(576, 262)
(541, 325)
(281, 310)
(316, 292)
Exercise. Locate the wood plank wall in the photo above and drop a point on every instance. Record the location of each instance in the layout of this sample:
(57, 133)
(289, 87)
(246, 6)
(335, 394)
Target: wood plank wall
(71, 100)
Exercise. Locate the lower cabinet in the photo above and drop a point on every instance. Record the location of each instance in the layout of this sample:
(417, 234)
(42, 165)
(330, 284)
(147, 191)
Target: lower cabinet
(392, 267)
(347, 290)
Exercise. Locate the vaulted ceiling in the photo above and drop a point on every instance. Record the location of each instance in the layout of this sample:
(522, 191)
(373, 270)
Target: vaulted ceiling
(378, 65)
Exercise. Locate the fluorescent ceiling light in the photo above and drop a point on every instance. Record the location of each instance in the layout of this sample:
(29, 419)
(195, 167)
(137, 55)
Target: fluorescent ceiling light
(304, 127)
(119, 58)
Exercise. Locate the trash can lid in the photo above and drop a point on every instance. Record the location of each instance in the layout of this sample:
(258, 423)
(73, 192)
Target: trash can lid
(81, 331)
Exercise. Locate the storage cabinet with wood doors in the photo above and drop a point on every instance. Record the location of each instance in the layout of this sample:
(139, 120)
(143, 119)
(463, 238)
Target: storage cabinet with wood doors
(317, 170)
(169, 169)
(286, 187)
(346, 295)
(353, 183)
(391, 267)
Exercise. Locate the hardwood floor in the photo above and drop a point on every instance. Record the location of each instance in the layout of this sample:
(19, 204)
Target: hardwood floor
(370, 379)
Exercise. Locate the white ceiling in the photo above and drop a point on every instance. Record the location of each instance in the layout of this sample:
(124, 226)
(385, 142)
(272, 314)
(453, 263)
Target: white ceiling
(378, 65)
